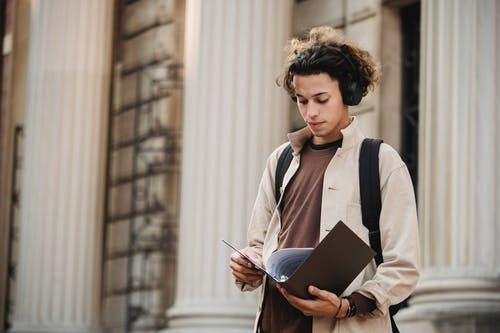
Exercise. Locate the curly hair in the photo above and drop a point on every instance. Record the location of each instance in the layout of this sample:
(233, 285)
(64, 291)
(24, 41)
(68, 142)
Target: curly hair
(324, 50)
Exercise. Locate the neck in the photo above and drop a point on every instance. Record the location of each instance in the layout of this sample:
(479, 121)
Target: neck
(335, 135)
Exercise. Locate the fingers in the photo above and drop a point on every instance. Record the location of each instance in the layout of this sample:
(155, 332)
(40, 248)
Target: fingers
(293, 300)
(324, 295)
(245, 274)
(284, 292)
(287, 295)
(326, 305)
(304, 306)
(244, 261)
(251, 254)
(246, 277)
(243, 270)
(242, 265)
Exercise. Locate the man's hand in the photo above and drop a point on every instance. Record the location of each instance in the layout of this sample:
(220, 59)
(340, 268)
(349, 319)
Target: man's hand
(242, 269)
(325, 303)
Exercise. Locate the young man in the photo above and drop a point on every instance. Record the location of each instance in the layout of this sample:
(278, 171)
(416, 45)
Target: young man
(324, 74)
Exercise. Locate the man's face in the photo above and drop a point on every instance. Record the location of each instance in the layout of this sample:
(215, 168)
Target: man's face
(320, 104)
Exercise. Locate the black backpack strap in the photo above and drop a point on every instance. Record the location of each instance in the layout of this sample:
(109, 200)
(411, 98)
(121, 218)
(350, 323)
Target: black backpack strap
(371, 203)
(393, 325)
(369, 188)
(283, 163)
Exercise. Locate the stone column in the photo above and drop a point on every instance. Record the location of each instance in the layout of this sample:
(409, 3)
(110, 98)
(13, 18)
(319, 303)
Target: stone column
(459, 157)
(59, 271)
(234, 116)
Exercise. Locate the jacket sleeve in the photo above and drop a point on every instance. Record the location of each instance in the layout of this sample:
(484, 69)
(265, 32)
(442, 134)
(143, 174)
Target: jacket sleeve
(397, 276)
(263, 209)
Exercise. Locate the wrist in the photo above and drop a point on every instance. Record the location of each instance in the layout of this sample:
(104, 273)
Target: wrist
(343, 308)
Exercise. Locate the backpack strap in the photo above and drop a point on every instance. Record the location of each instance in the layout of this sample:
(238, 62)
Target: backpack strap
(369, 189)
(371, 203)
(283, 163)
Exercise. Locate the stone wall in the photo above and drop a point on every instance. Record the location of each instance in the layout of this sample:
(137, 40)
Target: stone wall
(143, 165)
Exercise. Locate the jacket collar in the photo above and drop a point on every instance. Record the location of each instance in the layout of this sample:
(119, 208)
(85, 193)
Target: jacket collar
(351, 135)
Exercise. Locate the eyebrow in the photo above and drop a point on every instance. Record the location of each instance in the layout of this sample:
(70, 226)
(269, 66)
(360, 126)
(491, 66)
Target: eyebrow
(317, 94)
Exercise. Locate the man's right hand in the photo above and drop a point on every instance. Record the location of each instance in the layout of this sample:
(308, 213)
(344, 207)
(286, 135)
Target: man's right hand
(242, 269)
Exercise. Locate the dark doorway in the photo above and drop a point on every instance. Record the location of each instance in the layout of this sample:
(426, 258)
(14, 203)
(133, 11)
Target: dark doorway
(3, 10)
(410, 25)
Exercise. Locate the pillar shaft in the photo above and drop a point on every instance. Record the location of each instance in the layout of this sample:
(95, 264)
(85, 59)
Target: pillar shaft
(60, 236)
(459, 195)
(234, 116)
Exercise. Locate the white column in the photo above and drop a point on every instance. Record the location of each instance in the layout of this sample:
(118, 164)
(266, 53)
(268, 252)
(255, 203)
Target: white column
(459, 159)
(234, 116)
(59, 270)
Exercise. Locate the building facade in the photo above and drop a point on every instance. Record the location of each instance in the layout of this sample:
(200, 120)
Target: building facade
(133, 134)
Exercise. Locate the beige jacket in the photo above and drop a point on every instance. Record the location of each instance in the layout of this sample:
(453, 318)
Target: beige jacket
(397, 276)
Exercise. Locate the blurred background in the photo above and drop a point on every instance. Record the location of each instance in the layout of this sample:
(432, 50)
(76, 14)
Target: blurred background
(133, 135)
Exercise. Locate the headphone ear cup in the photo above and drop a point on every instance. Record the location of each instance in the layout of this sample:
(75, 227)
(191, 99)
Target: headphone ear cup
(351, 93)
(357, 93)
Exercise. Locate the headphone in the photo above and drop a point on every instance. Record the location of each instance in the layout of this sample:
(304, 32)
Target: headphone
(352, 92)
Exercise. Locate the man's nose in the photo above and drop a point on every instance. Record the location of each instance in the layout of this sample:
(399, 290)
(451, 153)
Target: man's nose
(312, 111)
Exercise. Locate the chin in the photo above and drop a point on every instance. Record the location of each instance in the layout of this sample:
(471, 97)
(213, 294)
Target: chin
(319, 133)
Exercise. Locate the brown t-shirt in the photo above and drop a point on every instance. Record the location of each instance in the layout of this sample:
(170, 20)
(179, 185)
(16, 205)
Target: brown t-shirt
(300, 224)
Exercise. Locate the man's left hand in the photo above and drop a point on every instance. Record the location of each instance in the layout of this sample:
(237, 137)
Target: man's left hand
(325, 303)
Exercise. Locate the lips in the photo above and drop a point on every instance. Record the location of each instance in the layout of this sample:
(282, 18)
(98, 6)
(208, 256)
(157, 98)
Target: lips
(315, 124)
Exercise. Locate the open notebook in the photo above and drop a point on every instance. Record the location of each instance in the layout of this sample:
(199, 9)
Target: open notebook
(332, 265)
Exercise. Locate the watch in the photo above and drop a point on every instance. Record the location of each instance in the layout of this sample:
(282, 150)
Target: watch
(351, 311)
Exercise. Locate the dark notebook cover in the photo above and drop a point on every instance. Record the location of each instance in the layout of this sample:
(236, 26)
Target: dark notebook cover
(332, 265)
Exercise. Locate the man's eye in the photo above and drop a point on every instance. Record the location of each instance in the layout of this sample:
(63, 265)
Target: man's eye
(304, 101)
(322, 101)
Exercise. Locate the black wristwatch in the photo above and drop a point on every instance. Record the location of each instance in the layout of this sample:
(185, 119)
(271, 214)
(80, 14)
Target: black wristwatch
(351, 312)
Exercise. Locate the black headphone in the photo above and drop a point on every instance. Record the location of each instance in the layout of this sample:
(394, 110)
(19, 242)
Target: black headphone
(352, 92)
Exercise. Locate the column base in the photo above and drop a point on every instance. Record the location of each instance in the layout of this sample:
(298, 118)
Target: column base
(453, 306)
(196, 329)
(211, 317)
(53, 329)
(419, 320)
